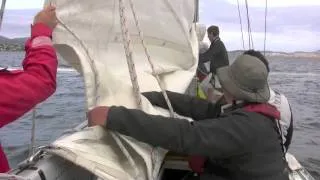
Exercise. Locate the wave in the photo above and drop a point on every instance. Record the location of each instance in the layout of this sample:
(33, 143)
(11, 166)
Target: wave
(271, 73)
(68, 69)
(60, 69)
(295, 73)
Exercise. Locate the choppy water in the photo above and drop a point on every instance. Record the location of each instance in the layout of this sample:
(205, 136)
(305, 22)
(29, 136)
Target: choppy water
(298, 79)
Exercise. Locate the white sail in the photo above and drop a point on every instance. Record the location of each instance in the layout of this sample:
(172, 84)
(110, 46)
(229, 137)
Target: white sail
(89, 38)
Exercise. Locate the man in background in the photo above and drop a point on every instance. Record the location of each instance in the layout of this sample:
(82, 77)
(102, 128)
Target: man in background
(217, 55)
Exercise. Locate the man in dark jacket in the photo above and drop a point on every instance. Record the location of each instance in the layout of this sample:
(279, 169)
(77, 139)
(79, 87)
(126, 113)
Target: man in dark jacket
(240, 141)
(217, 55)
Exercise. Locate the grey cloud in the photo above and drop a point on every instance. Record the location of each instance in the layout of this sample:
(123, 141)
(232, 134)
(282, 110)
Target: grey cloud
(16, 23)
(284, 24)
(278, 19)
(14, 30)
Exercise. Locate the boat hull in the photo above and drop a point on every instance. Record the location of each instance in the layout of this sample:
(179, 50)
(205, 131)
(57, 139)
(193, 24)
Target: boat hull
(52, 167)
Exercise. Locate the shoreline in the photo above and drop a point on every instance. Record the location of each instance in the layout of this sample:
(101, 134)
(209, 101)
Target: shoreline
(299, 54)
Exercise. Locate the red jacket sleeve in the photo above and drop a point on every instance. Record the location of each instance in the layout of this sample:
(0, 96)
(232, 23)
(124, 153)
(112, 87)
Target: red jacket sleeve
(21, 90)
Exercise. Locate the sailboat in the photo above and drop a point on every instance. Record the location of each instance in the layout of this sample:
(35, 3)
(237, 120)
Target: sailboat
(122, 48)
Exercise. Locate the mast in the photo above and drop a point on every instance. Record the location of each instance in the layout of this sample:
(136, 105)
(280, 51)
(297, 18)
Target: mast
(3, 5)
(196, 11)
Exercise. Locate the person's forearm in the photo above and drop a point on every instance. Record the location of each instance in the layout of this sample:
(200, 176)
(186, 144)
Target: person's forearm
(184, 105)
(22, 90)
(211, 137)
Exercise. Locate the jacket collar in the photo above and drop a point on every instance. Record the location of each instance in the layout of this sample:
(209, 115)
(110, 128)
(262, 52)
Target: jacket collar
(230, 107)
(214, 41)
(261, 108)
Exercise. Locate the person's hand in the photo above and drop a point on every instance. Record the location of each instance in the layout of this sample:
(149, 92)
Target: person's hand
(47, 16)
(98, 116)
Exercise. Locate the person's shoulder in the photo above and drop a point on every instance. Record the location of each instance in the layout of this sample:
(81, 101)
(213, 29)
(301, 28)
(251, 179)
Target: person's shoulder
(221, 44)
(238, 114)
(220, 41)
(281, 102)
(274, 93)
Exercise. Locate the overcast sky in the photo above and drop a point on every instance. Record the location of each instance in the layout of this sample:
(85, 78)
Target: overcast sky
(292, 25)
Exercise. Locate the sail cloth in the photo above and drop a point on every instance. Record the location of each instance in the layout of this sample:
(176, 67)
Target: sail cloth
(89, 38)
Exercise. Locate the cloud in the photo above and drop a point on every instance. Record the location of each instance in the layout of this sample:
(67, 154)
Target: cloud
(281, 3)
(16, 23)
(288, 29)
(24, 4)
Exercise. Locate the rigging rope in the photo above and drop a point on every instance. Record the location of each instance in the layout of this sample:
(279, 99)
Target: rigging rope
(33, 130)
(265, 28)
(91, 61)
(149, 59)
(153, 71)
(96, 87)
(32, 143)
(251, 46)
(3, 5)
(128, 52)
(241, 25)
(131, 66)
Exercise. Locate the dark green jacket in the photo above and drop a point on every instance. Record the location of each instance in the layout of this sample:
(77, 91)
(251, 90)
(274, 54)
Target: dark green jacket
(216, 54)
(245, 145)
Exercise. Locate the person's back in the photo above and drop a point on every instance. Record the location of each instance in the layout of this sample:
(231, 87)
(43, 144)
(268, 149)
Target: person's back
(220, 58)
(217, 53)
(260, 158)
(279, 101)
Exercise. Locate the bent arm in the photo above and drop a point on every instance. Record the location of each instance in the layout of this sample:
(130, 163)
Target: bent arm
(184, 105)
(213, 138)
(22, 90)
(210, 53)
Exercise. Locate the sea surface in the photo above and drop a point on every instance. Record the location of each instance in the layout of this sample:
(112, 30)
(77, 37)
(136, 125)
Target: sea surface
(298, 79)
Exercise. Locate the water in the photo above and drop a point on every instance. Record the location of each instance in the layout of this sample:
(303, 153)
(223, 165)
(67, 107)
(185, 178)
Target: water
(297, 78)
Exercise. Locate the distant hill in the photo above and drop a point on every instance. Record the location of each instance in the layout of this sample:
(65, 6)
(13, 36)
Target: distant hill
(296, 54)
(18, 41)
(4, 40)
(17, 44)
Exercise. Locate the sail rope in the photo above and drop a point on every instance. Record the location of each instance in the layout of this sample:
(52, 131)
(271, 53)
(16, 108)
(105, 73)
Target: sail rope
(128, 52)
(3, 5)
(149, 59)
(240, 20)
(132, 71)
(95, 78)
(96, 87)
(251, 46)
(265, 28)
(250, 39)
(33, 130)
(140, 32)
(90, 60)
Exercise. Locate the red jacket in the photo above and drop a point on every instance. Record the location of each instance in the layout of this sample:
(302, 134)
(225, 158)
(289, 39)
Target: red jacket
(21, 90)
